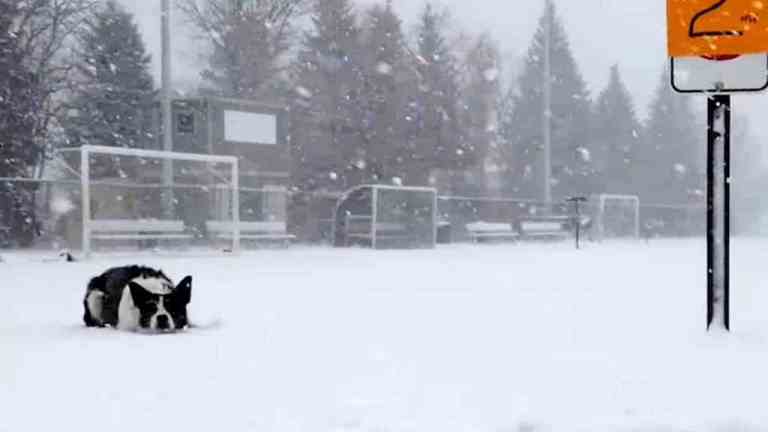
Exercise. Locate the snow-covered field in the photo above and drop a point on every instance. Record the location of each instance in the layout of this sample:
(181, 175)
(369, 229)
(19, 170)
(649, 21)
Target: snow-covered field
(466, 338)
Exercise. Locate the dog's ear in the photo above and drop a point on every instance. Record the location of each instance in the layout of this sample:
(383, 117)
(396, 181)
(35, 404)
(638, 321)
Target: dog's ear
(183, 291)
(139, 293)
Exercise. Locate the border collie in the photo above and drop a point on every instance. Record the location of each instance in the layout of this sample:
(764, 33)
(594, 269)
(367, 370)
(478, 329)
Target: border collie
(137, 298)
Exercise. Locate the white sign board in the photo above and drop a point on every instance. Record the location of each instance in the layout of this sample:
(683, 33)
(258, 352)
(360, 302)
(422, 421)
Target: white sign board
(250, 128)
(744, 73)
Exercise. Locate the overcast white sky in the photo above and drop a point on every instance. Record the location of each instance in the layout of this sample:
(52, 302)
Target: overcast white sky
(602, 32)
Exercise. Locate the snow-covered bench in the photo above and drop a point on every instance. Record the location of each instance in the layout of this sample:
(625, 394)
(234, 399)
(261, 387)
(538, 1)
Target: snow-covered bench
(257, 231)
(138, 229)
(360, 227)
(545, 227)
(491, 231)
(146, 232)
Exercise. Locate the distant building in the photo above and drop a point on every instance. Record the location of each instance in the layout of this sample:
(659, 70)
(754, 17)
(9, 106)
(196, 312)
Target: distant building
(256, 133)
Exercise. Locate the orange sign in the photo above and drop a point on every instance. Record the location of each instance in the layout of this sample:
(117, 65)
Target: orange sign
(717, 28)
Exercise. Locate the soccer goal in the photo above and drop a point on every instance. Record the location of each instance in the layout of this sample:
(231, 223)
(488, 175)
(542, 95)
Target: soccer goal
(387, 217)
(157, 200)
(617, 216)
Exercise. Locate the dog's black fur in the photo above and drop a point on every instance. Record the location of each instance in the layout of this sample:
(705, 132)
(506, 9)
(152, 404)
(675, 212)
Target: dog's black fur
(110, 287)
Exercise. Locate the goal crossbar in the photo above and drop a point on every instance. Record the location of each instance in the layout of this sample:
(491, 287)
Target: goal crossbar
(153, 154)
(85, 181)
(604, 198)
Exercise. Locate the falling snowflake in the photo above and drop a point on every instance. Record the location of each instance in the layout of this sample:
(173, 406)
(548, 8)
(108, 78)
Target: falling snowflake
(491, 74)
(303, 92)
(333, 176)
(584, 154)
(384, 68)
(61, 205)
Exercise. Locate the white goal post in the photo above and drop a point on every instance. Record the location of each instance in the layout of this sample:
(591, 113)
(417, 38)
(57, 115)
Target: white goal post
(626, 223)
(165, 227)
(387, 217)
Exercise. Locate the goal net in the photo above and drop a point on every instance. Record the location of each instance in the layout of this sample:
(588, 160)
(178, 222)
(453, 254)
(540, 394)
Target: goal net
(144, 199)
(387, 217)
(617, 216)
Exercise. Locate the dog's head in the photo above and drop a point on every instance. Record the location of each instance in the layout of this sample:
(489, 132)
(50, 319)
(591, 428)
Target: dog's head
(163, 309)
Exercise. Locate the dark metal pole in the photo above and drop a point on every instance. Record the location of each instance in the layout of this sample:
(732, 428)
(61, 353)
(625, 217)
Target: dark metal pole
(578, 227)
(718, 211)
(577, 217)
(166, 103)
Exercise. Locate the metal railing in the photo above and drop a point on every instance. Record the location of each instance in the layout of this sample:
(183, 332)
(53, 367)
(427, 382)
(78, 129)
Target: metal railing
(53, 212)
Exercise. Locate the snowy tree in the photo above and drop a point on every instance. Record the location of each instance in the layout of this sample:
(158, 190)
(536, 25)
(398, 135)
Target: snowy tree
(47, 30)
(327, 76)
(249, 41)
(113, 100)
(389, 102)
(669, 162)
(615, 136)
(443, 141)
(19, 149)
(480, 93)
(573, 170)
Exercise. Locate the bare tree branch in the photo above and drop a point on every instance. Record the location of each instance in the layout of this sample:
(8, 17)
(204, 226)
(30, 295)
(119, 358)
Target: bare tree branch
(47, 29)
(248, 44)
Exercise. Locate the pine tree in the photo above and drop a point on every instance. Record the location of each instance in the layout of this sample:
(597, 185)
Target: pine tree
(452, 115)
(615, 136)
(328, 81)
(438, 120)
(572, 167)
(249, 41)
(479, 111)
(389, 102)
(19, 153)
(668, 166)
(114, 97)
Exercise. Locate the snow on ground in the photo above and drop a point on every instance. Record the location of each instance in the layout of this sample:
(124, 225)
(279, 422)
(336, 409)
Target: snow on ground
(465, 338)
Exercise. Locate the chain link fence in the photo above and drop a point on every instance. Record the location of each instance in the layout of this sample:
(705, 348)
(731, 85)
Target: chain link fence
(47, 213)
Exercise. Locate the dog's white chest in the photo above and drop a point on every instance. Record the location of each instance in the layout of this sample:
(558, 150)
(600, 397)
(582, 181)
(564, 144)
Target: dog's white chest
(127, 312)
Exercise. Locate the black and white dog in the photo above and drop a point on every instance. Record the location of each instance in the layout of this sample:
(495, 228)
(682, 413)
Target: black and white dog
(137, 298)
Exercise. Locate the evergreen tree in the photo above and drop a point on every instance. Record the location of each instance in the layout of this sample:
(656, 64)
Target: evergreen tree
(19, 153)
(114, 97)
(668, 166)
(615, 136)
(441, 141)
(572, 166)
(479, 111)
(389, 102)
(328, 80)
(249, 41)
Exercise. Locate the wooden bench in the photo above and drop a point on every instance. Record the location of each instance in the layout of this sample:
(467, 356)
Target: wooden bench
(479, 231)
(545, 227)
(138, 229)
(360, 227)
(257, 231)
(144, 231)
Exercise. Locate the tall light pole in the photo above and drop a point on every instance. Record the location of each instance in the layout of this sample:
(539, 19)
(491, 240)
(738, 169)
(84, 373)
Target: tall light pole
(547, 103)
(166, 105)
